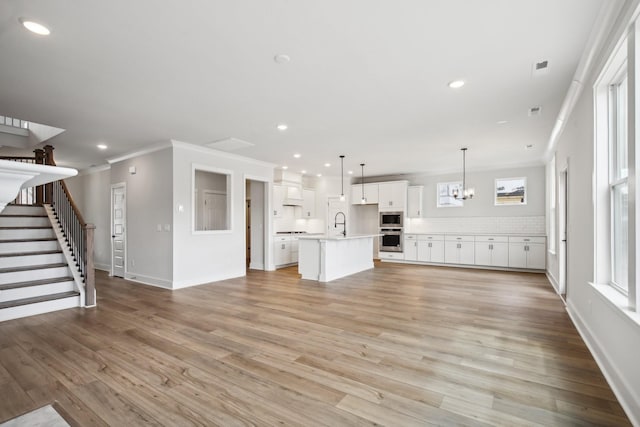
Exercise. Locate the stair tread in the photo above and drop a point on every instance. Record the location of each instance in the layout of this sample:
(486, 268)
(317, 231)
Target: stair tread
(40, 239)
(12, 254)
(26, 227)
(34, 300)
(4, 287)
(32, 267)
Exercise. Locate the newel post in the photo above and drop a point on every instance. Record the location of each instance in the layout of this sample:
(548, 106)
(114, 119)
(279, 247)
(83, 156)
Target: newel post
(89, 272)
(48, 159)
(39, 152)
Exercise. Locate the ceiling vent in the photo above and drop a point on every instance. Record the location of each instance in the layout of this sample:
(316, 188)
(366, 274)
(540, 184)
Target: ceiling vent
(535, 111)
(540, 68)
(229, 144)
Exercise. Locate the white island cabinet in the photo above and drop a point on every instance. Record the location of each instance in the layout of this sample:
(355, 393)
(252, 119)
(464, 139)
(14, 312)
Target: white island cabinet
(324, 258)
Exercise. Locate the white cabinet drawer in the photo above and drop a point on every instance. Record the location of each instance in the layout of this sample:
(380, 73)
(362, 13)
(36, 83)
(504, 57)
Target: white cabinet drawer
(431, 237)
(282, 238)
(492, 239)
(458, 238)
(391, 255)
(411, 236)
(527, 239)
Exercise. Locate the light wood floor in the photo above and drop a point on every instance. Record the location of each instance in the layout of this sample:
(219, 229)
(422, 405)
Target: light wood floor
(398, 345)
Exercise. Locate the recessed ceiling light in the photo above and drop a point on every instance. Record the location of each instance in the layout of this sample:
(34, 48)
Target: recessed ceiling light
(350, 172)
(282, 58)
(303, 171)
(502, 122)
(327, 165)
(456, 84)
(297, 155)
(102, 146)
(285, 167)
(35, 27)
(282, 126)
(319, 175)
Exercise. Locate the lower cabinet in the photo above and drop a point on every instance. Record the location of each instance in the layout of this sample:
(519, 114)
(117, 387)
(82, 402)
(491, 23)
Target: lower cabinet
(459, 249)
(527, 252)
(285, 251)
(424, 248)
(492, 251)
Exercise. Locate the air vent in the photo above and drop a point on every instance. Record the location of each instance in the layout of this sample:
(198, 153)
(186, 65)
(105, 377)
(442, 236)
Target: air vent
(535, 111)
(230, 144)
(540, 68)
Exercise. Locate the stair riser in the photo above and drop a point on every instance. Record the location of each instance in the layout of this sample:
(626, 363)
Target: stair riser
(34, 291)
(22, 221)
(23, 210)
(25, 276)
(39, 308)
(21, 261)
(13, 247)
(27, 233)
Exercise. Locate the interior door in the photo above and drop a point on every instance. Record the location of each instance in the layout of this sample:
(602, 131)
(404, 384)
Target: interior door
(334, 206)
(118, 230)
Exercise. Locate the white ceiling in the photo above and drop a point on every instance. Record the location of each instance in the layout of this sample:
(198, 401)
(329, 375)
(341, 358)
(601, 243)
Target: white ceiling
(367, 78)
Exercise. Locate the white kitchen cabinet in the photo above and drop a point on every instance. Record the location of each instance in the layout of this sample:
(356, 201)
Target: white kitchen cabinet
(285, 250)
(414, 201)
(410, 247)
(278, 200)
(431, 248)
(308, 203)
(392, 196)
(370, 193)
(492, 251)
(527, 252)
(459, 249)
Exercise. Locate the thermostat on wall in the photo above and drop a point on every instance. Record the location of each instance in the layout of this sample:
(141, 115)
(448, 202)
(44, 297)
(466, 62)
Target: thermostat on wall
(132, 170)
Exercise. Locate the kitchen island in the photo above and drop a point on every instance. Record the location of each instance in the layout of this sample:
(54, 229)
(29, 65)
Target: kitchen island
(326, 258)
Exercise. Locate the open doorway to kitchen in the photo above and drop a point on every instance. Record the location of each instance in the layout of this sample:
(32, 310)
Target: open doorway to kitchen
(256, 241)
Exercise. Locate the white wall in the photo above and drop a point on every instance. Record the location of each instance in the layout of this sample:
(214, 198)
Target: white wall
(612, 336)
(90, 191)
(210, 256)
(149, 205)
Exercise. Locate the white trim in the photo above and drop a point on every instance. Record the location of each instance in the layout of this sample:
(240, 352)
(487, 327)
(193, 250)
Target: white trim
(553, 281)
(141, 152)
(267, 263)
(102, 267)
(223, 154)
(94, 169)
(229, 174)
(180, 284)
(617, 382)
(149, 280)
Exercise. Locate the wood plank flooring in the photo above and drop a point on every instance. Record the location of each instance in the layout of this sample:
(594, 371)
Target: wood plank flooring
(397, 345)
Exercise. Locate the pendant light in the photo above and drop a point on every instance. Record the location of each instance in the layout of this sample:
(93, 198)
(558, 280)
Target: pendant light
(363, 200)
(467, 193)
(342, 176)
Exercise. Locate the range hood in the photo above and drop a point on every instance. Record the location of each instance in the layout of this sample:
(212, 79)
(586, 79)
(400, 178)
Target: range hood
(292, 184)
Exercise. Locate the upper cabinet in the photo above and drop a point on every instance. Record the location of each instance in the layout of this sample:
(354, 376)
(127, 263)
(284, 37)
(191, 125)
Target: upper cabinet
(370, 194)
(414, 201)
(278, 199)
(308, 203)
(392, 196)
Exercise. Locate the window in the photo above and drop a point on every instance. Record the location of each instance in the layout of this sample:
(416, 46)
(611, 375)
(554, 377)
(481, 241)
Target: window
(211, 200)
(618, 183)
(552, 205)
(615, 197)
(511, 191)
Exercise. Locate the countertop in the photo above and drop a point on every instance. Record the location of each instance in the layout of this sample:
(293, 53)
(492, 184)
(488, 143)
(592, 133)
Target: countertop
(463, 233)
(325, 237)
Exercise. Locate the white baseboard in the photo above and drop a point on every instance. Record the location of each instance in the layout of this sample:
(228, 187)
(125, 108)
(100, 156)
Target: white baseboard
(102, 267)
(204, 280)
(148, 280)
(256, 265)
(629, 402)
(553, 281)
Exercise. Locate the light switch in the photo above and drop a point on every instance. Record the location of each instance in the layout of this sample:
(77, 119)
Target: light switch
(159, 227)
(167, 227)
(132, 170)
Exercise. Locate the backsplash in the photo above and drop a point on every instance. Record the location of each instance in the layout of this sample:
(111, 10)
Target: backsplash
(488, 225)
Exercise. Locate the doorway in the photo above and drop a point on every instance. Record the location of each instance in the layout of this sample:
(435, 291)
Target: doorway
(118, 229)
(256, 197)
(563, 215)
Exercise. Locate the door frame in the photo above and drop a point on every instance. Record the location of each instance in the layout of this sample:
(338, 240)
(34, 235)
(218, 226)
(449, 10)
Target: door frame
(266, 218)
(122, 185)
(563, 232)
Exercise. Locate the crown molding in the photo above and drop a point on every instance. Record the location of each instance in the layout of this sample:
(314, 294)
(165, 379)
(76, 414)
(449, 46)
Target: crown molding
(147, 150)
(224, 154)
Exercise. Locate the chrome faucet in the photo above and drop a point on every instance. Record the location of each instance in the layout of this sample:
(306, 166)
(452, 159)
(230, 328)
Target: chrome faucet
(343, 223)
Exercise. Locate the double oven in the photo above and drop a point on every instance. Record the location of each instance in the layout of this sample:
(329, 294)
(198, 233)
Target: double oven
(391, 231)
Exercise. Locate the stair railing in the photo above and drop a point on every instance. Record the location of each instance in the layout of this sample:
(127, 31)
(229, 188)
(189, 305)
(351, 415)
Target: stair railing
(78, 233)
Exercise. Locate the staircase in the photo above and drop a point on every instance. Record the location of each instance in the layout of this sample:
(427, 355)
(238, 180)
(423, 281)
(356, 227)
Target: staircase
(35, 276)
